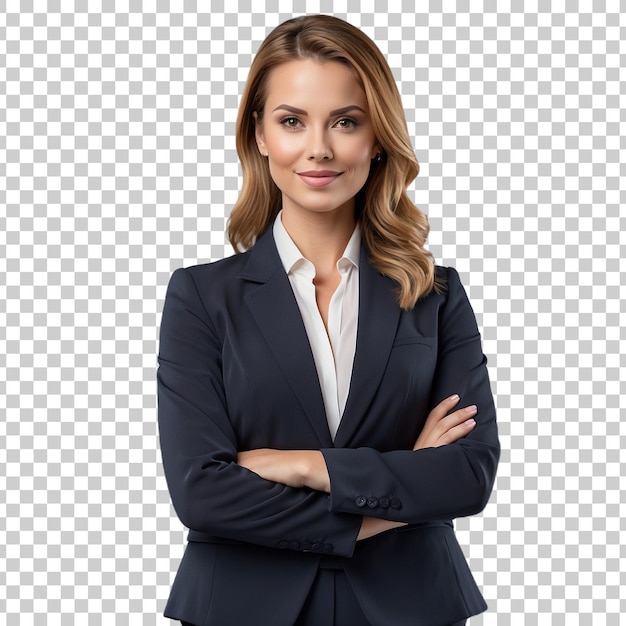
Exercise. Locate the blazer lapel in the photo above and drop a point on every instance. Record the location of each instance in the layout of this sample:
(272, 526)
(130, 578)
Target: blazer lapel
(276, 311)
(379, 314)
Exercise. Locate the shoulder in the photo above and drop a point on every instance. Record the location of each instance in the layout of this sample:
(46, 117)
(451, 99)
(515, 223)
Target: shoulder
(227, 267)
(448, 292)
(445, 275)
(205, 275)
(447, 283)
(206, 285)
(455, 305)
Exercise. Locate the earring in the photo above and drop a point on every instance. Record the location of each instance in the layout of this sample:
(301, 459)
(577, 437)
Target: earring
(378, 157)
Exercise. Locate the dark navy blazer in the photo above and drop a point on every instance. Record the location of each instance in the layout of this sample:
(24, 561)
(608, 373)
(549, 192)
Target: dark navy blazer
(236, 372)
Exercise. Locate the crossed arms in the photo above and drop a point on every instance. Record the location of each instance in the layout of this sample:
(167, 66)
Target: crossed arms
(265, 496)
(307, 468)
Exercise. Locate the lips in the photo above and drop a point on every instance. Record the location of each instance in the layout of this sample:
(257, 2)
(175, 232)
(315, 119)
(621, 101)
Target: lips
(318, 178)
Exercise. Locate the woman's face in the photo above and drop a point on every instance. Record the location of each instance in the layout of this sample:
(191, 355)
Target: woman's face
(317, 135)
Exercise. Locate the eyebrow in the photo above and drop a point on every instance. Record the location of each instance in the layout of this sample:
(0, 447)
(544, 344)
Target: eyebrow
(351, 107)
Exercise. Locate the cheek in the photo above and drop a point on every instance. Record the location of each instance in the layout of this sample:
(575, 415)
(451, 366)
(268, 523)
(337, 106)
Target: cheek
(359, 155)
(282, 149)
(277, 172)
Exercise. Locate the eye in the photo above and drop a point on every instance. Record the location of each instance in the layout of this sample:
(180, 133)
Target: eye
(346, 123)
(290, 121)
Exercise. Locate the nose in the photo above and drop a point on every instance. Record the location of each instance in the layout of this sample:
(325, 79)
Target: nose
(319, 148)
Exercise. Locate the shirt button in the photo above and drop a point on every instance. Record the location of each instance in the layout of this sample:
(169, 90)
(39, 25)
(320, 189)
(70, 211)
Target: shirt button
(372, 502)
(361, 501)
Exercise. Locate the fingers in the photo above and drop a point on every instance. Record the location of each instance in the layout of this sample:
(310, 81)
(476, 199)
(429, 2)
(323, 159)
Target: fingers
(442, 409)
(457, 432)
(442, 429)
(461, 415)
(456, 425)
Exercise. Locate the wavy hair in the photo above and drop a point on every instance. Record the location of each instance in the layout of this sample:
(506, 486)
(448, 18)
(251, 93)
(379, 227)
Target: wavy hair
(393, 228)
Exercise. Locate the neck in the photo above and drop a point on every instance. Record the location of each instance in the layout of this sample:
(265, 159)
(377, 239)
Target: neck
(320, 237)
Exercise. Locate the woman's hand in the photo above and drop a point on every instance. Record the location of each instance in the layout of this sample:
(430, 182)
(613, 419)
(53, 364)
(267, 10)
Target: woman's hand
(294, 468)
(441, 429)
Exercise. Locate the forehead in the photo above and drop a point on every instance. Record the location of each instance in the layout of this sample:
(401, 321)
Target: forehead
(307, 83)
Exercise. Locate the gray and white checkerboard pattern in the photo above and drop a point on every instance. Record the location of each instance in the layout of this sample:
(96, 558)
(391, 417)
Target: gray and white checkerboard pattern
(117, 165)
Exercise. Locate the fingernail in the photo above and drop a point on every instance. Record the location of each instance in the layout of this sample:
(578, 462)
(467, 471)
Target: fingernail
(471, 422)
(454, 397)
(471, 409)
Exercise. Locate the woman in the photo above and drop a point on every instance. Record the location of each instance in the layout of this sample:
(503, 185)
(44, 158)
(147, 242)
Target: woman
(312, 434)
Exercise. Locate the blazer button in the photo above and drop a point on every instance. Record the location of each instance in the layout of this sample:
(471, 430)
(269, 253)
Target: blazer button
(372, 503)
(283, 545)
(396, 503)
(361, 501)
(328, 548)
(317, 547)
(306, 546)
(384, 503)
(294, 545)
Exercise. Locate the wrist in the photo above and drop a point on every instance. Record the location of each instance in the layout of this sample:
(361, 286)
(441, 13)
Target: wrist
(374, 526)
(314, 471)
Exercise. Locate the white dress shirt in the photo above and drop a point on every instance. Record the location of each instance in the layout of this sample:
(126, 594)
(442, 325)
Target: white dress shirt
(333, 351)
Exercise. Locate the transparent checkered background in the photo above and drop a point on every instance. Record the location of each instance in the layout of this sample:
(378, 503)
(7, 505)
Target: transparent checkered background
(117, 165)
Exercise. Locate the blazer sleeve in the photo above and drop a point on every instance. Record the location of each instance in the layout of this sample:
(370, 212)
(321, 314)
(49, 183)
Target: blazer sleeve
(433, 483)
(210, 492)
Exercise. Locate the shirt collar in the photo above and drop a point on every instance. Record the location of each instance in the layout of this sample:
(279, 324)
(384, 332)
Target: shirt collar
(290, 255)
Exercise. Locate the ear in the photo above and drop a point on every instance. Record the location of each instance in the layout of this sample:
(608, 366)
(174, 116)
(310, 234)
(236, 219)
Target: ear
(376, 150)
(259, 135)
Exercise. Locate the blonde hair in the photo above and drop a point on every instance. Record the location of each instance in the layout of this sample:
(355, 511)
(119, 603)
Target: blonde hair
(393, 228)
